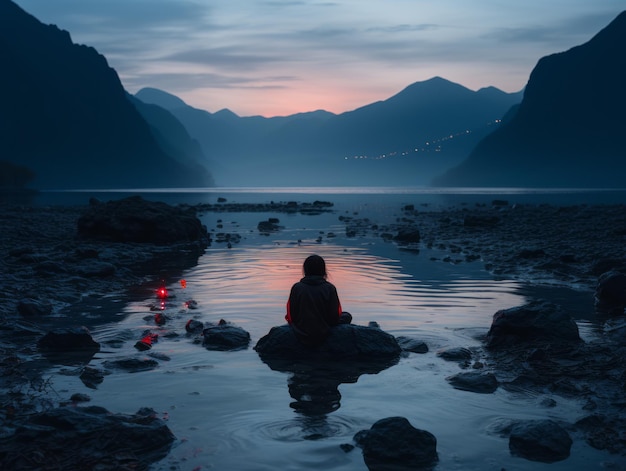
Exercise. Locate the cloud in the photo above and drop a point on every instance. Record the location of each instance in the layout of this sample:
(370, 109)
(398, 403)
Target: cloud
(403, 28)
(322, 47)
(186, 82)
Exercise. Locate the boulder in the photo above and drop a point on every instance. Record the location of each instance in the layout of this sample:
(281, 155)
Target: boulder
(225, 337)
(344, 341)
(134, 219)
(533, 323)
(540, 440)
(68, 346)
(610, 295)
(393, 444)
(86, 438)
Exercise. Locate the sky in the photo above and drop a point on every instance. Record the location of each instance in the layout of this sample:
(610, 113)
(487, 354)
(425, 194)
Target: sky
(281, 57)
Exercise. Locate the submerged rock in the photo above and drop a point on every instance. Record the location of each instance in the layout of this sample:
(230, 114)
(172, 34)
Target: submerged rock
(459, 354)
(412, 345)
(132, 365)
(393, 444)
(87, 437)
(34, 308)
(484, 383)
(540, 440)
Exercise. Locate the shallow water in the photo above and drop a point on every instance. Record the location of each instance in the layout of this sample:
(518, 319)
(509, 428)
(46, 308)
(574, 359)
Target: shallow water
(230, 411)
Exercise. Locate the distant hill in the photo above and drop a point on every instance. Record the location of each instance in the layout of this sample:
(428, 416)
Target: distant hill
(65, 115)
(570, 128)
(405, 140)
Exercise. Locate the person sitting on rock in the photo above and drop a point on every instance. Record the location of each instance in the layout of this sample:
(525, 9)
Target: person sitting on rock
(313, 307)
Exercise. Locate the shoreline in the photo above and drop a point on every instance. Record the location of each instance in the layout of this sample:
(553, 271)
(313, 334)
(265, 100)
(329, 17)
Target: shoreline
(570, 246)
(44, 260)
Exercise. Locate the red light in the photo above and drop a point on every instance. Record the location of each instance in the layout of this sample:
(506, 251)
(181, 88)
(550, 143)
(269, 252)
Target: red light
(183, 283)
(162, 293)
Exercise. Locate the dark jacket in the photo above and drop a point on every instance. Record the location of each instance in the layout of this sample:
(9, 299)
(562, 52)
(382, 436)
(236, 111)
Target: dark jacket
(312, 309)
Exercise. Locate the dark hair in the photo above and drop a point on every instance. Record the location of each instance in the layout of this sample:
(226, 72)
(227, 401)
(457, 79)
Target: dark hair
(314, 265)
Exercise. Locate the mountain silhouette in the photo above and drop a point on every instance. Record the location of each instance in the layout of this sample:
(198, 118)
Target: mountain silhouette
(568, 130)
(66, 116)
(404, 140)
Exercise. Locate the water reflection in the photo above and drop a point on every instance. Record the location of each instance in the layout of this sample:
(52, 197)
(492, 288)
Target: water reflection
(314, 382)
(316, 374)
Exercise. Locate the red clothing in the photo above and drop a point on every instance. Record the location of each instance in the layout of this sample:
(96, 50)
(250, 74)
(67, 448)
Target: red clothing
(313, 308)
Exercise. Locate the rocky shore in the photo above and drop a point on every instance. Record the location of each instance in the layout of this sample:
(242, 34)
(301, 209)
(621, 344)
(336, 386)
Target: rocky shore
(56, 260)
(563, 245)
(44, 258)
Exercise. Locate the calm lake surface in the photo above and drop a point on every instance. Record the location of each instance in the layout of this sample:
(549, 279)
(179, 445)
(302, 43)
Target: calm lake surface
(230, 411)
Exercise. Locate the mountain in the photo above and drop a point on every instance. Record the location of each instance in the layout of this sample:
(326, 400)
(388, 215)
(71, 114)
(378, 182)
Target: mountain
(404, 140)
(570, 128)
(65, 115)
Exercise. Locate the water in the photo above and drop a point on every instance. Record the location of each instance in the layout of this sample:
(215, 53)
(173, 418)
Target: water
(230, 411)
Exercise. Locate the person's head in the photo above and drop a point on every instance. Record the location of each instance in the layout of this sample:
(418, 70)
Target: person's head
(314, 265)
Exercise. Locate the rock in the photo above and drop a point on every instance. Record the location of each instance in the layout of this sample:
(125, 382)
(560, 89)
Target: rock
(225, 337)
(91, 377)
(459, 354)
(604, 265)
(145, 343)
(412, 345)
(394, 444)
(610, 294)
(134, 219)
(535, 322)
(344, 341)
(88, 438)
(132, 365)
(194, 327)
(540, 440)
(603, 432)
(408, 235)
(69, 340)
(266, 227)
(80, 397)
(484, 383)
(33, 308)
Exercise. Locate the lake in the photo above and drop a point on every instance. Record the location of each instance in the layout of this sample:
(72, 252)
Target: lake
(230, 411)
